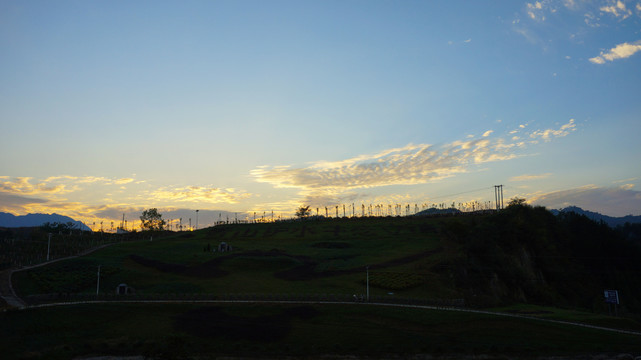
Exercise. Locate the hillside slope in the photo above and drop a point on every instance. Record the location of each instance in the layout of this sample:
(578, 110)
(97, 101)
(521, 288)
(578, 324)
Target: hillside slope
(526, 254)
(522, 254)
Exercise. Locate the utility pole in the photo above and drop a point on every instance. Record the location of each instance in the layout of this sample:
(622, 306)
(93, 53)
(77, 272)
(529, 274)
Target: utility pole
(196, 219)
(367, 282)
(48, 246)
(98, 282)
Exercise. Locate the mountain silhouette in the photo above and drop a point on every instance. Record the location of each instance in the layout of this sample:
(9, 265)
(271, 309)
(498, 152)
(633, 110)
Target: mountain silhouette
(610, 220)
(31, 220)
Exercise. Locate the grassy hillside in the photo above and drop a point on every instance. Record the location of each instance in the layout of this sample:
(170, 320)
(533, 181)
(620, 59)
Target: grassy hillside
(522, 261)
(519, 255)
(321, 257)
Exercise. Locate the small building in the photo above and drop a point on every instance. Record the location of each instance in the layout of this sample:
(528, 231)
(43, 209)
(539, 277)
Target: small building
(224, 247)
(123, 289)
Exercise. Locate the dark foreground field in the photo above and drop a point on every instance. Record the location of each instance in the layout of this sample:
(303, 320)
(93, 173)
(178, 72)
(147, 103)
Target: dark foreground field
(173, 331)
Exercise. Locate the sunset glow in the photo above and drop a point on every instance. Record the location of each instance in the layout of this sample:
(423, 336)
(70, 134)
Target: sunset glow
(242, 107)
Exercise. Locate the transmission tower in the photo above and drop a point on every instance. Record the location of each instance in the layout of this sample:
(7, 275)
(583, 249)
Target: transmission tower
(498, 196)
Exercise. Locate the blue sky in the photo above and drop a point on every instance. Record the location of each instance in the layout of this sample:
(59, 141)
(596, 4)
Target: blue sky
(110, 107)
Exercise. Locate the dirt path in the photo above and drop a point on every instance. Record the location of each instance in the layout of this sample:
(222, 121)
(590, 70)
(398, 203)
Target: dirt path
(6, 288)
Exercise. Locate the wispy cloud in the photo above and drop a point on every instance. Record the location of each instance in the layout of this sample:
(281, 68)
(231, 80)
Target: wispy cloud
(617, 8)
(209, 195)
(536, 10)
(548, 134)
(528, 177)
(109, 197)
(620, 51)
(409, 165)
(53, 185)
(24, 186)
(613, 201)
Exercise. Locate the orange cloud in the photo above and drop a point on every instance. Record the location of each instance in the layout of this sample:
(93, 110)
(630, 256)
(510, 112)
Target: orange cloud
(327, 182)
(199, 194)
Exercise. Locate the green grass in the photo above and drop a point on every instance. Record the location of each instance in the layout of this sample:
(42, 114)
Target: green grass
(409, 257)
(274, 248)
(252, 330)
(582, 317)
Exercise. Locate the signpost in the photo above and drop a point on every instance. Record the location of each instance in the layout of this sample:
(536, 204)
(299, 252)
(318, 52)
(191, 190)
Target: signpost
(612, 297)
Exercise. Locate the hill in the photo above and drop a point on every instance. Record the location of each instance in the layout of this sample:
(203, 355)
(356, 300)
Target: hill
(610, 220)
(522, 259)
(522, 254)
(32, 220)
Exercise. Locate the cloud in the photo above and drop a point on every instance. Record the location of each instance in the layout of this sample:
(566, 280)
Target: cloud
(411, 164)
(54, 185)
(9, 202)
(548, 134)
(620, 51)
(535, 10)
(613, 201)
(626, 180)
(326, 182)
(22, 195)
(124, 181)
(528, 177)
(23, 186)
(618, 9)
(198, 194)
(488, 133)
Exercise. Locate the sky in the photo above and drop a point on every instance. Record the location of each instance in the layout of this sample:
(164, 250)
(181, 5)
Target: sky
(243, 109)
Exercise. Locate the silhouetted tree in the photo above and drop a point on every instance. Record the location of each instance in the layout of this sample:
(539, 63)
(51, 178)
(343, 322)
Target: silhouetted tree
(303, 212)
(516, 201)
(58, 226)
(152, 220)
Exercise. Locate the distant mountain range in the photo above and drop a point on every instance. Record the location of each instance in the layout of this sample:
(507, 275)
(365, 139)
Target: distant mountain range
(31, 220)
(610, 220)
